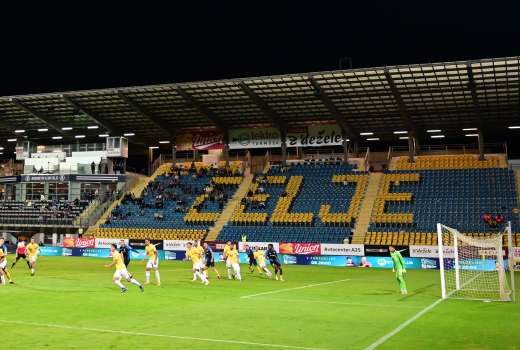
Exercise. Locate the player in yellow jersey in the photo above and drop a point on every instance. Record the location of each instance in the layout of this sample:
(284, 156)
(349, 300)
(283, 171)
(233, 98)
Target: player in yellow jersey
(32, 250)
(260, 258)
(3, 264)
(121, 271)
(195, 253)
(229, 268)
(233, 258)
(153, 262)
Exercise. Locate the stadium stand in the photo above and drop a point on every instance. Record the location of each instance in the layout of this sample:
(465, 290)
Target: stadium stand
(180, 203)
(41, 212)
(299, 203)
(453, 190)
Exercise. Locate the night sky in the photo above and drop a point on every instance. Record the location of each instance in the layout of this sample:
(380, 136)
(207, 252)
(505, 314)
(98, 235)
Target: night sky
(51, 49)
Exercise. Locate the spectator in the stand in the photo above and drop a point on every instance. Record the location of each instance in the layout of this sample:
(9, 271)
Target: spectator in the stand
(100, 167)
(106, 168)
(93, 167)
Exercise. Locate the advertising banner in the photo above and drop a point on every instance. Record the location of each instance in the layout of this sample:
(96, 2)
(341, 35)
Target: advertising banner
(382, 250)
(315, 136)
(51, 251)
(254, 138)
(300, 248)
(79, 242)
(342, 249)
(107, 242)
(175, 245)
(386, 262)
(91, 252)
(260, 245)
(139, 244)
(322, 260)
(430, 251)
(199, 141)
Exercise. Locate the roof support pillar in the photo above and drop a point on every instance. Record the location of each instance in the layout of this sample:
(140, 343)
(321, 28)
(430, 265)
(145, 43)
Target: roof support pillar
(283, 135)
(481, 155)
(345, 151)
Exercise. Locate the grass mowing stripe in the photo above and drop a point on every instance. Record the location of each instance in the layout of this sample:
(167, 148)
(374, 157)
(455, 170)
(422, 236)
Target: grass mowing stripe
(295, 288)
(402, 326)
(99, 330)
(342, 303)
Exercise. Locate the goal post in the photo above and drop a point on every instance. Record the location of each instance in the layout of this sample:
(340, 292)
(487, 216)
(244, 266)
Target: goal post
(472, 267)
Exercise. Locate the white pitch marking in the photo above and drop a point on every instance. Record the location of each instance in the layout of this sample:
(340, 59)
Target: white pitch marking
(342, 303)
(295, 288)
(237, 342)
(403, 325)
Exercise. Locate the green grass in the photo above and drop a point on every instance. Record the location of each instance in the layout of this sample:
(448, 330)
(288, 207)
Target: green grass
(72, 304)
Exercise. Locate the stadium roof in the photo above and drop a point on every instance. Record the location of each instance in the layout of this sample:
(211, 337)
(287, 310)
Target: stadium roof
(449, 96)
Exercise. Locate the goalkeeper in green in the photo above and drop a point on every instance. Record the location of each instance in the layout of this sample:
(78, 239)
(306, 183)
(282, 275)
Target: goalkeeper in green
(399, 268)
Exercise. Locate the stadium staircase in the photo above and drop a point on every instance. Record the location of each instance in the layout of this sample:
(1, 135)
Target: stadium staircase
(224, 218)
(135, 188)
(363, 221)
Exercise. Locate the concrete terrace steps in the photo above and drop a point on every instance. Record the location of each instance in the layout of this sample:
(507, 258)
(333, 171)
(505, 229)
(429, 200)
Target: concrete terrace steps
(228, 211)
(365, 212)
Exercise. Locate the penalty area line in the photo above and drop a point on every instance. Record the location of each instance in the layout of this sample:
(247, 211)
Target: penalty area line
(158, 335)
(402, 326)
(295, 288)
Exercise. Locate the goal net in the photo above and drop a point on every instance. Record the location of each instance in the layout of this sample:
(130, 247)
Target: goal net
(472, 267)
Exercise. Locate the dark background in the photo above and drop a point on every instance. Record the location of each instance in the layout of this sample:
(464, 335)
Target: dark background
(70, 45)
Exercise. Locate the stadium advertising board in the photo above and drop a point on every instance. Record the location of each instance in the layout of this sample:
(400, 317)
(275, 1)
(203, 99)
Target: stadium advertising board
(107, 242)
(311, 136)
(51, 251)
(139, 243)
(254, 138)
(342, 249)
(430, 251)
(260, 245)
(79, 242)
(387, 263)
(175, 245)
(200, 141)
(91, 252)
(315, 136)
(300, 248)
(382, 250)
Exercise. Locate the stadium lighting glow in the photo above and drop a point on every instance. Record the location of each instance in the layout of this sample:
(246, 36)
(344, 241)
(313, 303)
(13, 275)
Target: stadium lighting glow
(437, 136)
(11, 140)
(469, 129)
(399, 132)
(373, 139)
(471, 135)
(403, 138)
(79, 136)
(366, 133)
(2, 153)
(433, 130)
(20, 131)
(92, 127)
(57, 137)
(43, 130)
(164, 141)
(67, 128)
(128, 134)
(103, 135)
(514, 127)
(154, 147)
(1, 148)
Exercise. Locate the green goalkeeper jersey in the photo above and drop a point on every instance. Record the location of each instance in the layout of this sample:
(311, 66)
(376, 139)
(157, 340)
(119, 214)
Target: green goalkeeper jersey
(398, 260)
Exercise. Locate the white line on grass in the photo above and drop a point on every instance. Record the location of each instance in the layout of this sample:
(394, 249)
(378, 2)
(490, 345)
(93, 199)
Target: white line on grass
(295, 288)
(342, 303)
(157, 335)
(402, 326)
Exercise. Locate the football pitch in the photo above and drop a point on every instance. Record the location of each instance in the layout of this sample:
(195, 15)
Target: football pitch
(72, 304)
